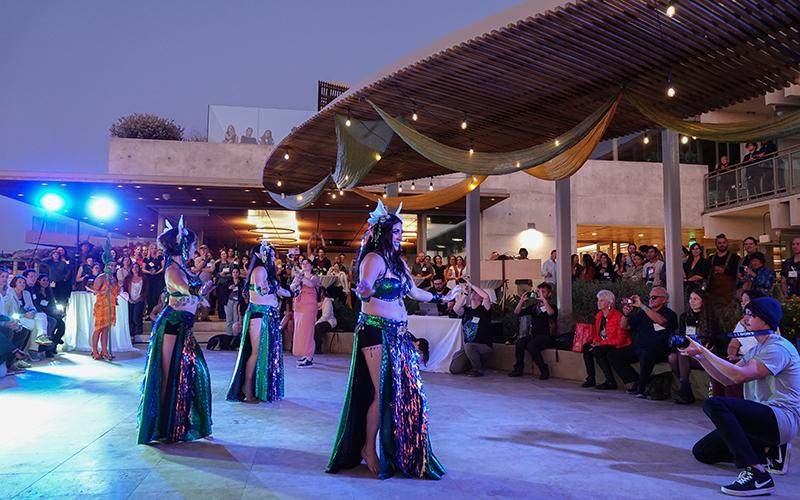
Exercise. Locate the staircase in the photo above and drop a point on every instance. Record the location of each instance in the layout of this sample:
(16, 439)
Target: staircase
(203, 330)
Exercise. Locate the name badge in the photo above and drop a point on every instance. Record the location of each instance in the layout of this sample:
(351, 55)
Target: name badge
(606, 275)
(44, 303)
(691, 331)
(236, 289)
(52, 284)
(476, 320)
(151, 264)
(793, 274)
(658, 327)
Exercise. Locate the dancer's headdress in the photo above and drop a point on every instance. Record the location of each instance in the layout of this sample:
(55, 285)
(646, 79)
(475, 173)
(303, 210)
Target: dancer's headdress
(266, 248)
(375, 219)
(180, 238)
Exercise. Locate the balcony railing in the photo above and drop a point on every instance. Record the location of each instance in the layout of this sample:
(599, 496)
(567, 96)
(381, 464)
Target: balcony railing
(777, 175)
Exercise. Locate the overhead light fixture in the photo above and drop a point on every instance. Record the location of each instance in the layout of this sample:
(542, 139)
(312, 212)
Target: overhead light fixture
(671, 8)
(671, 91)
(280, 182)
(348, 116)
(399, 188)
(286, 156)
(471, 150)
(684, 140)
(413, 187)
(430, 188)
(532, 225)
(414, 114)
(464, 123)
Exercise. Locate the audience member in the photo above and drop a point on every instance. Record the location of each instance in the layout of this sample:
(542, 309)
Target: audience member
(440, 287)
(577, 269)
(653, 324)
(620, 265)
(550, 269)
(589, 270)
(605, 271)
(608, 335)
(635, 273)
(321, 264)
(790, 281)
(248, 137)
(523, 254)
(45, 302)
(326, 320)
(422, 269)
(473, 305)
(12, 357)
(744, 281)
(542, 326)
(438, 266)
(449, 273)
(629, 258)
(653, 268)
(696, 269)
(137, 287)
(763, 278)
(723, 273)
(61, 275)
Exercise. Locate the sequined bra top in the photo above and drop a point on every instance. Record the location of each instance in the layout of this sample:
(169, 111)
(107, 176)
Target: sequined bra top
(390, 289)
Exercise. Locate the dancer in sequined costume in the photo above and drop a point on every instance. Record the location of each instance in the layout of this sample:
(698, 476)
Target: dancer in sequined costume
(384, 396)
(176, 393)
(258, 375)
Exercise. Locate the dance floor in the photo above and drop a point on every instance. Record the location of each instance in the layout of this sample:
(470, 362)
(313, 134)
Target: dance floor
(69, 431)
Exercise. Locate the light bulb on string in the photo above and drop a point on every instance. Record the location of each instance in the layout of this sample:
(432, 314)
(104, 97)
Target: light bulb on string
(286, 156)
(413, 187)
(384, 192)
(646, 139)
(471, 150)
(414, 114)
(464, 123)
(348, 116)
(283, 196)
(684, 140)
(671, 8)
(399, 188)
(334, 196)
(671, 91)
(341, 192)
(280, 182)
(430, 188)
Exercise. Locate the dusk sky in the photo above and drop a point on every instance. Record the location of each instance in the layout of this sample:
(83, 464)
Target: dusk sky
(68, 70)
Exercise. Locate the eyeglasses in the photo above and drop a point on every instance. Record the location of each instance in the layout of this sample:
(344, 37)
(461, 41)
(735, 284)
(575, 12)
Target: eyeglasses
(748, 314)
(656, 297)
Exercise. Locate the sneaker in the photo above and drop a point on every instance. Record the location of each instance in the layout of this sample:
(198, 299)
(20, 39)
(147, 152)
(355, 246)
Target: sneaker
(641, 395)
(632, 390)
(43, 340)
(751, 482)
(588, 383)
(34, 356)
(305, 364)
(778, 459)
(23, 364)
(606, 386)
(515, 373)
(15, 370)
(475, 373)
(301, 360)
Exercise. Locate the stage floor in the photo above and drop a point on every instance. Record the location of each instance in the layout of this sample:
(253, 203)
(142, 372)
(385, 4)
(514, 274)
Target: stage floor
(69, 431)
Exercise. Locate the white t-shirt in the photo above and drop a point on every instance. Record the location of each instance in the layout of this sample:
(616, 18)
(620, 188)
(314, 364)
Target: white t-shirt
(780, 390)
(652, 273)
(550, 267)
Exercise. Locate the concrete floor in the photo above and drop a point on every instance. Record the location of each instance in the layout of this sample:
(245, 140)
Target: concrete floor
(70, 428)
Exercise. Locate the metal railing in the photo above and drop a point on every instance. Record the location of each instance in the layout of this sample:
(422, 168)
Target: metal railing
(777, 175)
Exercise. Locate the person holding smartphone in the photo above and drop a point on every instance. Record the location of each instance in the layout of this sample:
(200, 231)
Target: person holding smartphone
(543, 319)
(473, 305)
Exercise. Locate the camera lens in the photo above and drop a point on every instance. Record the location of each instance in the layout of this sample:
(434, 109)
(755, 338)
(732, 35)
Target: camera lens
(678, 342)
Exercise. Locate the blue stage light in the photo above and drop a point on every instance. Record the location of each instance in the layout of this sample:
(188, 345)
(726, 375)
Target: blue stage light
(102, 208)
(52, 202)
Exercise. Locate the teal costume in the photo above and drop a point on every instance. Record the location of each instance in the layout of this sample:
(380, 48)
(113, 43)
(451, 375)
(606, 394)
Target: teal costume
(268, 378)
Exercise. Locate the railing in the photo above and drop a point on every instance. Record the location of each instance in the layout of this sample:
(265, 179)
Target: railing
(774, 176)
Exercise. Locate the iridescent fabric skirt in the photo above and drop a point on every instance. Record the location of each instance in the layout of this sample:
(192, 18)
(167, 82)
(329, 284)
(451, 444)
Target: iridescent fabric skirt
(268, 378)
(403, 426)
(186, 412)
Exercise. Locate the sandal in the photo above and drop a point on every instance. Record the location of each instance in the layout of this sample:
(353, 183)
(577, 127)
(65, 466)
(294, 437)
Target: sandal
(96, 355)
(21, 355)
(106, 355)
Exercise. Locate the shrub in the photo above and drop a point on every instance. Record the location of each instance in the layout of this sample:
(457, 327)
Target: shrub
(144, 126)
(790, 323)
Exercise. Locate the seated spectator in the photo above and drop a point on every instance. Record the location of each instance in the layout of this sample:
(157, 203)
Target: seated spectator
(577, 269)
(605, 271)
(763, 278)
(753, 433)
(473, 305)
(635, 273)
(696, 269)
(653, 324)
(589, 270)
(701, 322)
(608, 335)
(440, 287)
(653, 268)
(543, 319)
(45, 302)
(30, 279)
(10, 353)
(326, 321)
(21, 304)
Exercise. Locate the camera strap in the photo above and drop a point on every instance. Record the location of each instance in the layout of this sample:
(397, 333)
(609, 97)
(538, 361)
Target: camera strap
(756, 333)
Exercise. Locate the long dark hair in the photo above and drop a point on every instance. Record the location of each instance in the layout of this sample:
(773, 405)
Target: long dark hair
(383, 247)
(170, 244)
(706, 320)
(38, 288)
(255, 261)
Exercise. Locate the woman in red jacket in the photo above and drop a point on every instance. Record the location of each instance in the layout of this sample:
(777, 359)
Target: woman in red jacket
(608, 335)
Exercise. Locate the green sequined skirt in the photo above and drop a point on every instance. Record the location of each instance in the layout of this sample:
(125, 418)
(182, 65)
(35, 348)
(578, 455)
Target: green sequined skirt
(268, 377)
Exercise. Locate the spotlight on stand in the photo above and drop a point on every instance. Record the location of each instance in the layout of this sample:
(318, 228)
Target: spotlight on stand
(102, 208)
(52, 202)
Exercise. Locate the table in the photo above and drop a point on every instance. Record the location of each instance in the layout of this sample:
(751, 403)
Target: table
(80, 325)
(444, 336)
(327, 281)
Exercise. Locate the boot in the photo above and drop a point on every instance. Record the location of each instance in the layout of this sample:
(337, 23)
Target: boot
(610, 384)
(684, 395)
(545, 372)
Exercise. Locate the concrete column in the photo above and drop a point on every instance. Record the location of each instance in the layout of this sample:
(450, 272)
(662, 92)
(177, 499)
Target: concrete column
(474, 235)
(564, 246)
(422, 233)
(672, 219)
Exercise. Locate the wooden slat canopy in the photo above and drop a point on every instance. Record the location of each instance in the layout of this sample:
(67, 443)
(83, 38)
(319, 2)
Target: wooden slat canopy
(522, 83)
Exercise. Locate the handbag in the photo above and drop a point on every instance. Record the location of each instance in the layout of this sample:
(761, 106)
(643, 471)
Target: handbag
(583, 334)
(659, 386)
(564, 343)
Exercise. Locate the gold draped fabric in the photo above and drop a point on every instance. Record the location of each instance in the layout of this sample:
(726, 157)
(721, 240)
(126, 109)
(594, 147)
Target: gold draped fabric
(427, 200)
(478, 163)
(566, 164)
(304, 199)
(359, 147)
(752, 131)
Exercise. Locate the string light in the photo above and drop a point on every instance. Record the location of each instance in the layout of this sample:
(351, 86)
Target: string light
(283, 196)
(348, 116)
(646, 139)
(400, 188)
(334, 196)
(471, 150)
(384, 191)
(413, 187)
(280, 182)
(430, 188)
(671, 8)
(684, 140)
(341, 192)
(414, 114)
(377, 157)
(464, 123)
(286, 156)
(671, 89)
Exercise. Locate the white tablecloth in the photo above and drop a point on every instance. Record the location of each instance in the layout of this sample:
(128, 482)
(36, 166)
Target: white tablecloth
(418, 281)
(80, 324)
(489, 286)
(444, 336)
(327, 281)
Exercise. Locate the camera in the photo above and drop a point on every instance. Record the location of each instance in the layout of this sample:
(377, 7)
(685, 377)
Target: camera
(627, 301)
(533, 295)
(682, 341)
(461, 280)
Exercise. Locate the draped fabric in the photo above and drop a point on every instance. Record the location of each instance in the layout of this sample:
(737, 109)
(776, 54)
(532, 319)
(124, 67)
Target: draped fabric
(753, 131)
(427, 200)
(566, 164)
(304, 199)
(359, 148)
(479, 163)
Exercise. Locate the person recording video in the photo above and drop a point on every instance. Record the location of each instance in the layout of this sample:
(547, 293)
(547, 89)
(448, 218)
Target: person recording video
(543, 317)
(753, 432)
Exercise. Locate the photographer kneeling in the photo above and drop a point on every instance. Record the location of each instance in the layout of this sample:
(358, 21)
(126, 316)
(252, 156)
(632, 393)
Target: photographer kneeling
(755, 431)
(543, 317)
(473, 305)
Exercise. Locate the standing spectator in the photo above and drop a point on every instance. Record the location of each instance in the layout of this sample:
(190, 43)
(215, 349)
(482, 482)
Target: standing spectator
(550, 269)
(629, 258)
(696, 269)
(61, 275)
(589, 269)
(326, 321)
(654, 323)
(763, 278)
(744, 281)
(461, 267)
(473, 305)
(605, 270)
(230, 296)
(701, 322)
(620, 265)
(153, 268)
(543, 319)
(230, 135)
(305, 286)
(321, 264)
(723, 273)
(137, 287)
(608, 335)
(343, 266)
(523, 254)
(790, 281)
(577, 269)
(422, 269)
(204, 266)
(653, 268)
(635, 273)
(438, 267)
(124, 269)
(248, 138)
(449, 272)
(266, 138)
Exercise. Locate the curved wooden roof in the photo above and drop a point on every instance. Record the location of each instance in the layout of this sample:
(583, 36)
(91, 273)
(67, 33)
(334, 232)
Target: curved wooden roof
(521, 82)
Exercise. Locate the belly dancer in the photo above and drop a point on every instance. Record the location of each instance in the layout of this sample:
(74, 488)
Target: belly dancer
(384, 395)
(258, 375)
(176, 393)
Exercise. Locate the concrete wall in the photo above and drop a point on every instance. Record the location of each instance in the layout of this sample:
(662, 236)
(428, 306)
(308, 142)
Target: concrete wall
(238, 164)
(603, 192)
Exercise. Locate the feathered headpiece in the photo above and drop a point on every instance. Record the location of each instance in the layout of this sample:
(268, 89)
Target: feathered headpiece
(180, 238)
(375, 219)
(266, 248)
